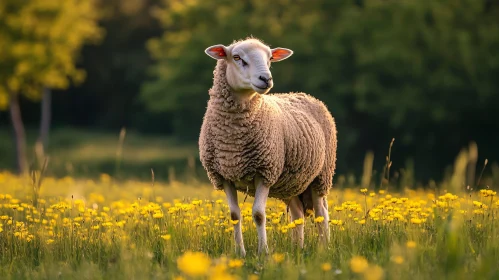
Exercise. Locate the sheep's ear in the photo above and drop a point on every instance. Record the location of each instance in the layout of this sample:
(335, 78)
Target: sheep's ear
(217, 51)
(279, 54)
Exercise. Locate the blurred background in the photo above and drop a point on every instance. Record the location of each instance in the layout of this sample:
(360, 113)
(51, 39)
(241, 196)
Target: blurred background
(121, 86)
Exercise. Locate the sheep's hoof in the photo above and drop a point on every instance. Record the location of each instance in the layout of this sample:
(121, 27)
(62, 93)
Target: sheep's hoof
(241, 252)
(263, 250)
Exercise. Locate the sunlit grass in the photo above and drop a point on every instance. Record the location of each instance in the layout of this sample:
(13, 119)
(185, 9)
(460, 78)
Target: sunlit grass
(140, 230)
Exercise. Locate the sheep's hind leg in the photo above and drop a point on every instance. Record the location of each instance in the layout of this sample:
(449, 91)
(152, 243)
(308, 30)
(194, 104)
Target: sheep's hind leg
(321, 210)
(261, 195)
(235, 215)
(297, 212)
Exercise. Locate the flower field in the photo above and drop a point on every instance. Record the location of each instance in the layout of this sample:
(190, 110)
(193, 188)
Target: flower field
(102, 229)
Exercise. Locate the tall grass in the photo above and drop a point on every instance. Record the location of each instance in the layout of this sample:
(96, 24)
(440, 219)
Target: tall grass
(97, 229)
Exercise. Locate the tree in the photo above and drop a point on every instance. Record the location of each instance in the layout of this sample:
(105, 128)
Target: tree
(41, 40)
(423, 72)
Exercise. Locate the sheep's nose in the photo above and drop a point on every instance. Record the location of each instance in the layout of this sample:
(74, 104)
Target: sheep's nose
(265, 80)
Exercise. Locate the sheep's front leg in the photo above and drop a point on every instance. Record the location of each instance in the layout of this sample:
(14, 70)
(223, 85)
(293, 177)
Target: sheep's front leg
(321, 210)
(297, 212)
(261, 195)
(235, 214)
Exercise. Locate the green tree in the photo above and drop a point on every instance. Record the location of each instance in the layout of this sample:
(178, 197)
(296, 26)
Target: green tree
(183, 74)
(40, 42)
(421, 71)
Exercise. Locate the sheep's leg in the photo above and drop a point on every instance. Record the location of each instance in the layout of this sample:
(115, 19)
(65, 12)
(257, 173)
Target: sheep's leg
(235, 214)
(320, 207)
(261, 195)
(296, 209)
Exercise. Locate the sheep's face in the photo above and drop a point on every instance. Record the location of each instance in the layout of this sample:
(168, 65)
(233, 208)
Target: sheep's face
(248, 64)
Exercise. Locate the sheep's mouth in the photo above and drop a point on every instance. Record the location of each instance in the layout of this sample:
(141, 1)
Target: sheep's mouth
(261, 90)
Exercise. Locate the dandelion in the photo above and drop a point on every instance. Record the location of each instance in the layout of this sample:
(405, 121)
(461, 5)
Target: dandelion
(326, 267)
(236, 263)
(49, 241)
(338, 208)
(298, 221)
(278, 257)
(363, 191)
(410, 244)
(358, 264)
(166, 236)
(157, 215)
(416, 221)
(336, 222)
(194, 263)
(319, 219)
(374, 272)
(398, 259)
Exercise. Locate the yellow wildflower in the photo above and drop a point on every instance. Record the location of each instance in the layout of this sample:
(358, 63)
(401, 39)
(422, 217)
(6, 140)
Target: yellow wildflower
(326, 267)
(374, 272)
(236, 263)
(166, 236)
(319, 219)
(157, 215)
(298, 221)
(398, 259)
(358, 264)
(416, 221)
(363, 191)
(194, 263)
(278, 257)
(411, 244)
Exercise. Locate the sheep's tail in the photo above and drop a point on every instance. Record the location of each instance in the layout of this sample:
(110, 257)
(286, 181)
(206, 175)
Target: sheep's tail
(306, 199)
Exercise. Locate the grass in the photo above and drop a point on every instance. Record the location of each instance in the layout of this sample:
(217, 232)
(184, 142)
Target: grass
(97, 215)
(86, 154)
(104, 229)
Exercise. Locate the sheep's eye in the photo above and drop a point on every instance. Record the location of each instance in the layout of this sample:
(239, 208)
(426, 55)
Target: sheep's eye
(236, 57)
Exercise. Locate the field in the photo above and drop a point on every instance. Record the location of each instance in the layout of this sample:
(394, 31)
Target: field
(107, 229)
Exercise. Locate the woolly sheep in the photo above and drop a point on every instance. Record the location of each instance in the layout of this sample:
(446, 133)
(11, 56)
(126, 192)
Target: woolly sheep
(265, 145)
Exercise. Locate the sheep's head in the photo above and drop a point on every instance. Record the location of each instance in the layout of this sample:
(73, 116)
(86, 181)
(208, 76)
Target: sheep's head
(248, 64)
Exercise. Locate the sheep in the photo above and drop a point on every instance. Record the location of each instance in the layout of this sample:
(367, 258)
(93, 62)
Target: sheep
(266, 145)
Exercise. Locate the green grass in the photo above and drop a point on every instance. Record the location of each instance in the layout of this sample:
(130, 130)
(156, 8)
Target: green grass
(85, 224)
(103, 229)
(82, 153)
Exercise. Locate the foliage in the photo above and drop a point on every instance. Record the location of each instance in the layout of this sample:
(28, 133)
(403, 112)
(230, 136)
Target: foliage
(102, 229)
(40, 41)
(116, 68)
(396, 68)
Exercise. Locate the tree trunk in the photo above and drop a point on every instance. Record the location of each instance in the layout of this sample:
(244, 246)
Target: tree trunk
(19, 134)
(46, 114)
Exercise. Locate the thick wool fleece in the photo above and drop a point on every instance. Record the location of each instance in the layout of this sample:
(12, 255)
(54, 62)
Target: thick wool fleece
(288, 139)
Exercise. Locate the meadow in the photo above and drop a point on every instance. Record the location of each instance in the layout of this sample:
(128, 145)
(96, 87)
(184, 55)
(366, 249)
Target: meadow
(103, 228)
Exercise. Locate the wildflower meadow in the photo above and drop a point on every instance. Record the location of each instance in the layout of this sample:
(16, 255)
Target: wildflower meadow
(71, 228)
